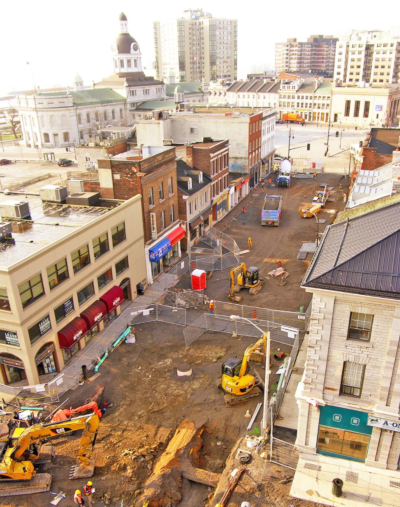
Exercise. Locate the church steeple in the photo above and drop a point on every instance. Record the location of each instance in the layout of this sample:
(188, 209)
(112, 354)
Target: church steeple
(123, 23)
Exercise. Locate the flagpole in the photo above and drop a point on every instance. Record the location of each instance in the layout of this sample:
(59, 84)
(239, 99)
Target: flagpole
(33, 77)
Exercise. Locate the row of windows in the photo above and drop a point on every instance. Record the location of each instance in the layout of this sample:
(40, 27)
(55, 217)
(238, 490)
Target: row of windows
(194, 204)
(357, 104)
(67, 307)
(219, 186)
(97, 116)
(33, 289)
(161, 191)
(219, 164)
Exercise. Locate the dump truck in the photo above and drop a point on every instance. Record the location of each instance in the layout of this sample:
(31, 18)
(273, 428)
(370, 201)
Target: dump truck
(293, 118)
(271, 212)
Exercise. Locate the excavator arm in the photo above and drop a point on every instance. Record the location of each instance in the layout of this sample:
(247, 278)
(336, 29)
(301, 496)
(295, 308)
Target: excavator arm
(261, 342)
(234, 271)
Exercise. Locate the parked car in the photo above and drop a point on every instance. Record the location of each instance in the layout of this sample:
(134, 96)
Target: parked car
(278, 121)
(63, 162)
(4, 161)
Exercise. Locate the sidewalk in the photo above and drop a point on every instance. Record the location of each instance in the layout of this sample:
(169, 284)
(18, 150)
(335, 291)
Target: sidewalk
(289, 411)
(362, 485)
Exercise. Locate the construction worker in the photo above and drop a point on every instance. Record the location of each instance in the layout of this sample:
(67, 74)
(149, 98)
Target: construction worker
(344, 197)
(88, 491)
(78, 498)
(211, 306)
(249, 243)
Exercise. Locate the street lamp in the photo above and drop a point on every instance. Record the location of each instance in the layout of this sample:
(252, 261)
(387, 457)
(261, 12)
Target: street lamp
(267, 366)
(316, 218)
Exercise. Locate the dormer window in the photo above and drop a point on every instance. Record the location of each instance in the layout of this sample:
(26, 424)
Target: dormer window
(200, 177)
(190, 184)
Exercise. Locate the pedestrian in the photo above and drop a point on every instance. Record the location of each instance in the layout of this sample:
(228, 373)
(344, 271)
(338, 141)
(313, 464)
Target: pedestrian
(344, 197)
(78, 498)
(315, 175)
(88, 491)
(249, 243)
(262, 182)
(270, 182)
(211, 306)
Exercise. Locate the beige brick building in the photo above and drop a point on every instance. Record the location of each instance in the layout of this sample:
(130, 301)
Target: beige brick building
(349, 395)
(65, 270)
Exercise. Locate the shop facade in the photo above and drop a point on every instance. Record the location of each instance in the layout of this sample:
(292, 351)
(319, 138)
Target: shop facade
(238, 190)
(220, 206)
(47, 319)
(200, 225)
(162, 253)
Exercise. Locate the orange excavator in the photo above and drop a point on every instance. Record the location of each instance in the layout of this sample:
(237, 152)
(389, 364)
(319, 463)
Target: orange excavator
(67, 413)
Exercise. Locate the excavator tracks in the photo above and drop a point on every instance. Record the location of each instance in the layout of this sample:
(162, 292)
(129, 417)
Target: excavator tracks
(40, 483)
(232, 400)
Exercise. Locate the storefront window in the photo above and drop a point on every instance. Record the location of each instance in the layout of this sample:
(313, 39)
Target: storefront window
(58, 273)
(118, 234)
(39, 329)
(347, 443)
(64, 310)
(4, 302)
(13, 368)
(67, 354)
(45, 360)
(80, 258)
(91, 333)
(105, 279)
(122, 266)
(9, 338)
(100, 245)
(85, 293)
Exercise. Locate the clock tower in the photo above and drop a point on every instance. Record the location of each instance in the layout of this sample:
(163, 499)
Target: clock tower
(126, 52)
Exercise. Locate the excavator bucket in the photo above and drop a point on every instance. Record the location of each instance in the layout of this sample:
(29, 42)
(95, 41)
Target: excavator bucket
(81, 471)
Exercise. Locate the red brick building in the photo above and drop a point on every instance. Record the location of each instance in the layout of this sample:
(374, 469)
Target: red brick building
(378, 147)
(212, 158)
(150, 172)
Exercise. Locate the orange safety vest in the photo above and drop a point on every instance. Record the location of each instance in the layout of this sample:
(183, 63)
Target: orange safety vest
(79, 498)
(211, 305)
(88, 490)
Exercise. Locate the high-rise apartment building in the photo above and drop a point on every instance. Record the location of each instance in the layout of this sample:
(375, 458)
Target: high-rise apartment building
(317, 55)
(370, 56)
(196, 47)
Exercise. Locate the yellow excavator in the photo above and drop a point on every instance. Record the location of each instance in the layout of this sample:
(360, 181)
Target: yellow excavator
(245, 279)
(22, 450)
(237, 383)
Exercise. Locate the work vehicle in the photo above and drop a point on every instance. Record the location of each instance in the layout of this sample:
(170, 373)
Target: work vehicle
(5, 161)
(279, 122)
(245, 279)
(284, 173)
(321, 196)
(64, 162)
(237, 382)
(293, 118)
(272, 208)
(20, 453)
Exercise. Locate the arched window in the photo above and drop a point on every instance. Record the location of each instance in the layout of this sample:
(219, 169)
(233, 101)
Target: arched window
(46, 137)
(79, 119)
(105, 116)
(87, 117)
(121, 114)
(96, 115)
(113, 114)
(66, 137)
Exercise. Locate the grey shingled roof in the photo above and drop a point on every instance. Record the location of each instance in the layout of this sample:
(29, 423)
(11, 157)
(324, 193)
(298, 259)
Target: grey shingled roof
(361, 254)
(184, 172)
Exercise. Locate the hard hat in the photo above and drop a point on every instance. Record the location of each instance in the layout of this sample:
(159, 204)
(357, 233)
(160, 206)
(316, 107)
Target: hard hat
(77, 492)
(90, 483)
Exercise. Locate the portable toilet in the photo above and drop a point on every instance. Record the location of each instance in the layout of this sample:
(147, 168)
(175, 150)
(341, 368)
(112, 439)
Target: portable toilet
(199, 279)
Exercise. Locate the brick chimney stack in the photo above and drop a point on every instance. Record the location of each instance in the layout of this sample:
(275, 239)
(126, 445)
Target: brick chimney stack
(189, 155)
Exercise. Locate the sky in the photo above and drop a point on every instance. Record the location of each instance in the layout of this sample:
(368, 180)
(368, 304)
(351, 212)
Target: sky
(60, 39)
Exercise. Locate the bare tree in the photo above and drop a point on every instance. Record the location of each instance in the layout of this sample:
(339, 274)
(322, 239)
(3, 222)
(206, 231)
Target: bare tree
(13, 118)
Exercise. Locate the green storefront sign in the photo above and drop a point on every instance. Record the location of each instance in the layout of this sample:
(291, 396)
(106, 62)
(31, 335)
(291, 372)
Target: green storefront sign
(343, 433)
(344, 419)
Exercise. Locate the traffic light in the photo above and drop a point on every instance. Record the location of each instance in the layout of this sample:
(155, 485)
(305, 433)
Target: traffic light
(308, 146)
(337, 133)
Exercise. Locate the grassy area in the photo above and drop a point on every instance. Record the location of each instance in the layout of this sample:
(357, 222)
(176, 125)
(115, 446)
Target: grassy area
(8, 137)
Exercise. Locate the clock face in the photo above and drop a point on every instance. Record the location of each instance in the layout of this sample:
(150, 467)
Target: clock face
(135, 47)
(114, 48)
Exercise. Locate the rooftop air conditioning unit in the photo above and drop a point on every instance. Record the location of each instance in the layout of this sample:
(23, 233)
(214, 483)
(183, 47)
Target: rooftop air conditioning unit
(53, 193)
(15, 209)
(5, 228)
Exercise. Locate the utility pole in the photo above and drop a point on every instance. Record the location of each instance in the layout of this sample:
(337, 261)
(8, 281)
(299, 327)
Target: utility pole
(288, 151)
(329, 122)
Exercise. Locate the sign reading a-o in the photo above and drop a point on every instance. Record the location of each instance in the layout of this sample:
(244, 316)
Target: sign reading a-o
(153, 225)
(385, 424)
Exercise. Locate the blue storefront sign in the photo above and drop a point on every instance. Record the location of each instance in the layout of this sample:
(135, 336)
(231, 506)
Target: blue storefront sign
(378, 108)
(158, 251)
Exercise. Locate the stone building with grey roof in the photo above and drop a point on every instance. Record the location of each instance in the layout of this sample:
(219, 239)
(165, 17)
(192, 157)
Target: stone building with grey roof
(349, 395)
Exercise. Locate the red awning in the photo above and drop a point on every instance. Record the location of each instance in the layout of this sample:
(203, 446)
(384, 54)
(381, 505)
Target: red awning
(176, 235)
(113, 298)
(95, 313)
(72, 333)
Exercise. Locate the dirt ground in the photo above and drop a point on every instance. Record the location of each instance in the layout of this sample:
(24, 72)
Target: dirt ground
(149, 401)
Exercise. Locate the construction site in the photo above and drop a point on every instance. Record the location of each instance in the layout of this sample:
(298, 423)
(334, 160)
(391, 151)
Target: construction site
(168, 436)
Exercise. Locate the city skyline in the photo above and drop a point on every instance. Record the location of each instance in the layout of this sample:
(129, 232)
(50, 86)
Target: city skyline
(51, 52)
